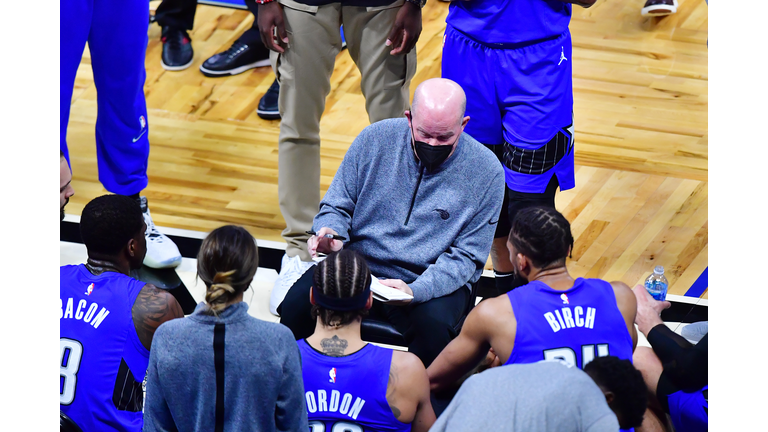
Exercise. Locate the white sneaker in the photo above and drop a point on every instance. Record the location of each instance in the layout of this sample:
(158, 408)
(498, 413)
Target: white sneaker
(291, 269)
(695, 332)
(161, 251)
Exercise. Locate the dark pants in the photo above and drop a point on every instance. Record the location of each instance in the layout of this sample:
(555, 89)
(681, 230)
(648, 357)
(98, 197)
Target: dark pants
(181, 14)
(428, 327)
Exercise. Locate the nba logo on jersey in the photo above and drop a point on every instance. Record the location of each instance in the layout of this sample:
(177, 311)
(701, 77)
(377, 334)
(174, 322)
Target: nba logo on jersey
(564, 298)
(332, 374)
(143, 122)
(89, 290)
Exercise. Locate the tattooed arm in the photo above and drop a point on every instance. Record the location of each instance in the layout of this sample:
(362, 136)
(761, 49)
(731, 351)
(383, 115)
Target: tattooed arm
(153, 307)
(408, 392)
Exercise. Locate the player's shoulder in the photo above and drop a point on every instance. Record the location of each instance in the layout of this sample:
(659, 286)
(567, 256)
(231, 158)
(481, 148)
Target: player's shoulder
(494, 309)
(407, 362)
(623, 292)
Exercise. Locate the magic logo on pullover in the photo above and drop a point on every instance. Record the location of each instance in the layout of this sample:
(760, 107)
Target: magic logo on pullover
(102, 359)
(575, 325)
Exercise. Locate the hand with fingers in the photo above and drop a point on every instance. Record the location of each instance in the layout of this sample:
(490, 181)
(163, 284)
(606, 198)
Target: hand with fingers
(648, 310)
(271, 22)
(400, 286)
(319, 243)
(406, 29)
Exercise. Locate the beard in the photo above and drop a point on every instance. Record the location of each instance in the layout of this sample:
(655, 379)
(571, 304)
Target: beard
(62, 208)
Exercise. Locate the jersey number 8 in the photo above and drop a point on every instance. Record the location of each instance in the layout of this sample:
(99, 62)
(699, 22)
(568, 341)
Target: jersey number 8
(318, 426)
(71, 353)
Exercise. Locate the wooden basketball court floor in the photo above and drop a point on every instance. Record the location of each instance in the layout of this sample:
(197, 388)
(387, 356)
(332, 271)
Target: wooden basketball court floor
(640, 91)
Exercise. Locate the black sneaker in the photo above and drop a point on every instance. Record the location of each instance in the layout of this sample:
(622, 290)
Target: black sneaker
(177, 49)
(239, 58)
(268, 104)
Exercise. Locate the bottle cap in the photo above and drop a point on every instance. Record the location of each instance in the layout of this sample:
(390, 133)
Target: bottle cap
(659, 270)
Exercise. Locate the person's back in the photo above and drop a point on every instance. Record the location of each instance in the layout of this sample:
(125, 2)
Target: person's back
(352, 385)
(257, 359)
(350, 390)
(108, 319)
(103, 361)
(553, 316)
(575, 325)
(220, 368)
(537, 397)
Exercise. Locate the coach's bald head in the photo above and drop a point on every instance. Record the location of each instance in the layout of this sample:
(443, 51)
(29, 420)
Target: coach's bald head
(440, 97)
(437, 116)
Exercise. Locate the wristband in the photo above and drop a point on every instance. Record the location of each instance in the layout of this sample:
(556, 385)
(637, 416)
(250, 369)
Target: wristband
(261, 2)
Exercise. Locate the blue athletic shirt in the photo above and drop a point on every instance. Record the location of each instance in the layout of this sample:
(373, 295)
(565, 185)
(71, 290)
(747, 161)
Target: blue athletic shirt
(348, 393)
(103, 362)
(510, 21)
(575, 325)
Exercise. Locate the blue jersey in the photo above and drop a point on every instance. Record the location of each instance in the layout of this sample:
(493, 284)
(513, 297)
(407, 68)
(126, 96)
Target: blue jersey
(689, 411)
(103, 362)
(510, 21)
(348, 393)
(575, 325)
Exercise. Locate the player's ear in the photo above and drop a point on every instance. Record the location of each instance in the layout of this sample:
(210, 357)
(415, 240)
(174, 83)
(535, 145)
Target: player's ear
(369, 303)
(608, 397)
(464, 122)
(132, 248)
(311, 297)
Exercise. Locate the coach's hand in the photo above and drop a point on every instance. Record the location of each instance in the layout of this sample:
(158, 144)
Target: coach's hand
(406, 29)
(400, 286)
(648, 310)
(319, 243)
(271, 17)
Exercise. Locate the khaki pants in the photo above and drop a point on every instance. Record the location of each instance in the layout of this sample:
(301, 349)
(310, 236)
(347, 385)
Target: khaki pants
(304, 72)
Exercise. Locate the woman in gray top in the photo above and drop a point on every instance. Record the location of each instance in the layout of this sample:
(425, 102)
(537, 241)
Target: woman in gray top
(220, 368)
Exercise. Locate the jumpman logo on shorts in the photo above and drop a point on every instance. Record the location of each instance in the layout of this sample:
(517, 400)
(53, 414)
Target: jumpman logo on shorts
(562, 56)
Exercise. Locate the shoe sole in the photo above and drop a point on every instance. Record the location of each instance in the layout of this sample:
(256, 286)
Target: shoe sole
(177, 68)
(235, 71)
(268, 115)
(157, 265)
(659, 10)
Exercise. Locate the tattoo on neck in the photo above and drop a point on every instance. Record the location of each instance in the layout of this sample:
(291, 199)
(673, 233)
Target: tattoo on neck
(97, 267)
(334, 346)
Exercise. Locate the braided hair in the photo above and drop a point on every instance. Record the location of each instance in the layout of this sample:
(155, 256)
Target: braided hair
(543, 235)
(226, 263)
(342, 274)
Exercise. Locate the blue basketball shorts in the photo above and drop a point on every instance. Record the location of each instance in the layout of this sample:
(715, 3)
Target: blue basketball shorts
(519, 96)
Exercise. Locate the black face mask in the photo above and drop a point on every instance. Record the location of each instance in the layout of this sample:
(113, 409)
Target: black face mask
(431, 156)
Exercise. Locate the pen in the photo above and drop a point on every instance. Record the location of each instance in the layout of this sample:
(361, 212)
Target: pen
(330, 236)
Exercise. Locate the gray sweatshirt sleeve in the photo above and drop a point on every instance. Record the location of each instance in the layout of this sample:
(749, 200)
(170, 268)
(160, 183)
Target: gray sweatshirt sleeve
(339, 202)
(291, 412)
(469, 251)
(157, 415)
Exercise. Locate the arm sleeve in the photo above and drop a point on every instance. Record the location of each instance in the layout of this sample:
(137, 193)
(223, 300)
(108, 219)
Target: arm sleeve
(685, 365)
(468, 252)
(339, 202)
(157, 415)
(291, 412)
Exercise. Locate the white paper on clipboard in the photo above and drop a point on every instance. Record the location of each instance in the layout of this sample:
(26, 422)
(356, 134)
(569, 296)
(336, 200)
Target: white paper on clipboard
(384, 293)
